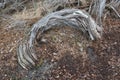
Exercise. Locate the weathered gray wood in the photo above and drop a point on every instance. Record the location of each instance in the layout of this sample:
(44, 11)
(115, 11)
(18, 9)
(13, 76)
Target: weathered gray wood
(68, 17)
(97, 8)
(71, 17)
(114, 5)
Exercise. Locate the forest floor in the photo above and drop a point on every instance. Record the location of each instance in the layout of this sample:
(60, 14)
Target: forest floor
(66, 54)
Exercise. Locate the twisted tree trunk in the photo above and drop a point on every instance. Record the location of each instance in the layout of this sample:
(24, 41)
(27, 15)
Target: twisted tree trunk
(68, 17)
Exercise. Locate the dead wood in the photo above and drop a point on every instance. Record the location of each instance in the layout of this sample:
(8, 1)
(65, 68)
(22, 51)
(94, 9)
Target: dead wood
(68, 17)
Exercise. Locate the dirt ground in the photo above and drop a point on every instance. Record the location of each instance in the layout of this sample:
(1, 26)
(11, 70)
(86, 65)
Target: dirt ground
(66, 54)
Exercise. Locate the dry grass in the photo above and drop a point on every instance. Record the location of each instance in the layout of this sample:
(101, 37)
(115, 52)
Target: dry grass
(34, 12)
(101, 63)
